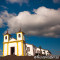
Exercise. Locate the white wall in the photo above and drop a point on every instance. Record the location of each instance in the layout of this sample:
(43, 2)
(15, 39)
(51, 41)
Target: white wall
(37, 49)
(12, 45)
(5, 49)
(31, 49)
(19, 49)
(43, 51)
(46, 51)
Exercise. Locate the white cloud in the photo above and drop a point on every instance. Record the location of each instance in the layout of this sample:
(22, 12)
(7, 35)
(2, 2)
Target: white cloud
(1, 22)
(44, 22)
(4, 17)
(39, 23)
(18, 1)
(56, 1)
(4, 7)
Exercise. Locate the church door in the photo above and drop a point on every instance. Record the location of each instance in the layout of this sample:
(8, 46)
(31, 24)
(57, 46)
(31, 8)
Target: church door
(12, 50)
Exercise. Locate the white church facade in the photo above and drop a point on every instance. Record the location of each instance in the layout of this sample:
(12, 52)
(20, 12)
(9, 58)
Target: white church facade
(18, 46)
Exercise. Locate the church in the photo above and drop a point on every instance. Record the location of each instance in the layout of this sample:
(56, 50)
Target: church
(19, 47)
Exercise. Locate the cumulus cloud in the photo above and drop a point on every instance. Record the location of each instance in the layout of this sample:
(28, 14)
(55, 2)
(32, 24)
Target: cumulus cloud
(44, 22)
(4, 17)
(56, 1)
(18, 1)
(1, 22)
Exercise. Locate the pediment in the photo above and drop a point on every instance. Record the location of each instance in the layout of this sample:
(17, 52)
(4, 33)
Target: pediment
(12, 39)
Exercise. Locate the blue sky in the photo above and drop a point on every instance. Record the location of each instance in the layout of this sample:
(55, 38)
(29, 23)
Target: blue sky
(39, 19)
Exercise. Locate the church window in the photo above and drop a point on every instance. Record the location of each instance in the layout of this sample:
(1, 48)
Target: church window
(38, 51)
(5, 37)
(19, 35)
(44, 51)
(28, 48)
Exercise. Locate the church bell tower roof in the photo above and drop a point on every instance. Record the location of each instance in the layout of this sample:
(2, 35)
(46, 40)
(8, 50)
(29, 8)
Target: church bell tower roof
(7, 33)
(20, 31)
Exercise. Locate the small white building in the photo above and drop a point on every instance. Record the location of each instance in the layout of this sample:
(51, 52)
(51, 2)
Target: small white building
(18, 46)
(43, 51)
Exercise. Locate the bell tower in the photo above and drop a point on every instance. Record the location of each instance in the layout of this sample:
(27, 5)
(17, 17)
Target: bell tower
(13, 46)
(5, 43)
(6, 37)
(20, 37)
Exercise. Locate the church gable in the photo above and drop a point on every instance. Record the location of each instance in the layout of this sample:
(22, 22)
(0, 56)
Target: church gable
(12, 39)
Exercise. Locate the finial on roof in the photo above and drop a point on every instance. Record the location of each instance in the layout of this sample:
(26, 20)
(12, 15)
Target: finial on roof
(20, 30)
(7, 32)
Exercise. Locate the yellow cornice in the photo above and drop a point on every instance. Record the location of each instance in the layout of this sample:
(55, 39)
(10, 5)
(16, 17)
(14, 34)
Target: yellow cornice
(6, 34)
(13, 41)
(18, 32)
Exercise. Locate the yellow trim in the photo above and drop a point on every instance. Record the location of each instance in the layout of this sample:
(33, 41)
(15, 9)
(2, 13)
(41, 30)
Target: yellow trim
(7, 48)
(22, 48)
(17, 49)
(13, 41)
(7, 44)
(6, 34)
(18, 32)
(3, 49)
(25, 53)
(22, 36)
(22, 45)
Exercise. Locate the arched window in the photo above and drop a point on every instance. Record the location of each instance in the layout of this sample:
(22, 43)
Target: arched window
(19, 35)
(28, 48)
(5, 37)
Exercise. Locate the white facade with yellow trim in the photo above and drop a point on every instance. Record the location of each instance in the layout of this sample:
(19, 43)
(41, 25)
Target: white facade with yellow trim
(13, 46)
